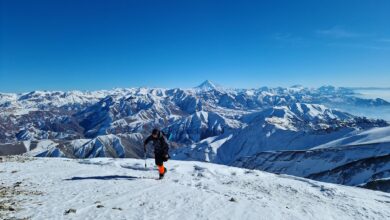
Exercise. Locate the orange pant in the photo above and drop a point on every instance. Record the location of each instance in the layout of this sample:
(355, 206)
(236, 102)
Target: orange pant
(161, 169)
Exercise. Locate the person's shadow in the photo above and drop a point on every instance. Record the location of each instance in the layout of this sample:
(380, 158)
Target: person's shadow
(111, 177)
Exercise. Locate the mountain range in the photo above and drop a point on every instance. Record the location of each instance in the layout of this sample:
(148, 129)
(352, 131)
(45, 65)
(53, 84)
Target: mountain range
(296, 130)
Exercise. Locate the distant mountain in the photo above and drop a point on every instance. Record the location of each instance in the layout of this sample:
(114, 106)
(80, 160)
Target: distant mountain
(296, 127)
(206, 86)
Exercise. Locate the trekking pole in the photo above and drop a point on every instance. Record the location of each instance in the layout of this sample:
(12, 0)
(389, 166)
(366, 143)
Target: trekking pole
(145, 158)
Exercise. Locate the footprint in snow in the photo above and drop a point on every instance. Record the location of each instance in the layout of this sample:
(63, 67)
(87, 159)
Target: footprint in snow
(117, 208)
(199, 169)
(69, 211)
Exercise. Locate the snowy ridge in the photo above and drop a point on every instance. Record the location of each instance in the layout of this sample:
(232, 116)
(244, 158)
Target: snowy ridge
(296, 127)
(357, 159)
(117, 146)
(370, 136)
(122, 189)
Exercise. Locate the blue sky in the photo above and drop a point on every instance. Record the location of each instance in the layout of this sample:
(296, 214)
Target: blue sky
(89, 45)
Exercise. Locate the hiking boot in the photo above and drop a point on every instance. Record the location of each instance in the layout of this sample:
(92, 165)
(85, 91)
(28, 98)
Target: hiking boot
(161, 175)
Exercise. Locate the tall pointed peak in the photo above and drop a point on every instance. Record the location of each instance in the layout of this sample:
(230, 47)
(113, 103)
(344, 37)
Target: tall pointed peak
(206, 85)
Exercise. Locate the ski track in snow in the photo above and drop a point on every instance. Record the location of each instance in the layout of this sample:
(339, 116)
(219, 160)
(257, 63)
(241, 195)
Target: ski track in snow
(190, 190)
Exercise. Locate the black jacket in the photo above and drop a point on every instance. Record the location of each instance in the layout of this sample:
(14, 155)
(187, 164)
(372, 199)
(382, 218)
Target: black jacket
(160, 144)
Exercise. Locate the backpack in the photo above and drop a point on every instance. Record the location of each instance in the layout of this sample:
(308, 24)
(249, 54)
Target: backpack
(165, 144)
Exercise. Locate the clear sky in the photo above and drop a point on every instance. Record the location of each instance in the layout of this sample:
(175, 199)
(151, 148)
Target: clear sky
(89, 45)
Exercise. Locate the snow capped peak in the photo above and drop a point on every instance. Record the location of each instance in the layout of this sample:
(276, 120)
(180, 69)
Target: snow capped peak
(206, 86)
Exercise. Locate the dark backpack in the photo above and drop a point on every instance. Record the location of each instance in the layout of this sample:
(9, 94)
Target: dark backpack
(164, 143)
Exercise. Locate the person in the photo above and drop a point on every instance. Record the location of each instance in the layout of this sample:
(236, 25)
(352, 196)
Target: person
(160, 150)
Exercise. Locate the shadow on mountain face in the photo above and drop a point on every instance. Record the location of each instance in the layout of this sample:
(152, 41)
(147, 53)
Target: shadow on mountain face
(111, 177)
(12, 149)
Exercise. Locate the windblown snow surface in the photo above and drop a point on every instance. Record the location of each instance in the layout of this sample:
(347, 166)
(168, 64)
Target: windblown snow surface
(106, 188)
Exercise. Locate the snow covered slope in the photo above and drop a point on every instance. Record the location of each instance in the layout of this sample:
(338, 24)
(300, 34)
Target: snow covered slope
(358, 158)
(44, 188)
(117, 146)
(370, 136)
(295, 127)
